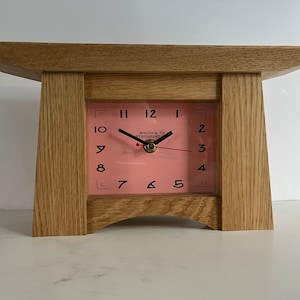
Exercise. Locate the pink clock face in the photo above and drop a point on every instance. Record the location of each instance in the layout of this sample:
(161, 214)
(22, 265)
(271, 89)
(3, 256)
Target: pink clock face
(138, 147)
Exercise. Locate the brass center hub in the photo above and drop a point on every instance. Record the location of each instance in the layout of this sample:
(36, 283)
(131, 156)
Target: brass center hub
(150, 147)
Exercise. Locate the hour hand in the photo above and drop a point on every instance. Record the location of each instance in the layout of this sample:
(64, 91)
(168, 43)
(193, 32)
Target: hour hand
(132, 136)
(163, 137)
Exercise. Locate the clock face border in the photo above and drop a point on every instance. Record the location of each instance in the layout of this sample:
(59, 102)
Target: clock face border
(165, 88)
(119, 165)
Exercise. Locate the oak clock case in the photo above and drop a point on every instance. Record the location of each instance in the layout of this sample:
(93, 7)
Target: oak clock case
(122, 133)
(151, 147)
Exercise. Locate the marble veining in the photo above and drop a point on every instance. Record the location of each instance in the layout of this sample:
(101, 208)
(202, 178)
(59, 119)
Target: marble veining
(152, 258)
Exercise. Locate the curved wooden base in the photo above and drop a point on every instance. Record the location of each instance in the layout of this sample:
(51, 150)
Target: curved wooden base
(104, 211)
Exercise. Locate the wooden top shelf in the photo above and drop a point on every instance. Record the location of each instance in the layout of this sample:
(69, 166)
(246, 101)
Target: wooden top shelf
(29, 60)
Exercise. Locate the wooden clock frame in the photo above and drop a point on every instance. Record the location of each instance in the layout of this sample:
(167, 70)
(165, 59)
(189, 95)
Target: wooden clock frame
(73, 73)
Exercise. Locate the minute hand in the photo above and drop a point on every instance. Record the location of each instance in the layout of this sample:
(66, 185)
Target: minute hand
(163, 137)
(132, 136)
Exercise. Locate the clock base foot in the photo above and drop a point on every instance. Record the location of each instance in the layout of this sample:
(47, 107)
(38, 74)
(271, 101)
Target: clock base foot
(104, 211)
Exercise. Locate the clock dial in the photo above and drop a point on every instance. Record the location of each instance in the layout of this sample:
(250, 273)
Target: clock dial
(139, 147)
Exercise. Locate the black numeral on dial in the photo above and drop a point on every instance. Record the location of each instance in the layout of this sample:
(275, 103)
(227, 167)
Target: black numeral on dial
(100, 148)
(150, 113)
(100, 129)
(201, 148)
(202, 168)
(201, 128)
(178, 184)
(100, 168)
(121, 183)
(123, 113)
(151, 185)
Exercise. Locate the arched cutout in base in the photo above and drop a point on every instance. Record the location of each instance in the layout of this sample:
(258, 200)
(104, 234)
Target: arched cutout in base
(156, 222)
(102, 212)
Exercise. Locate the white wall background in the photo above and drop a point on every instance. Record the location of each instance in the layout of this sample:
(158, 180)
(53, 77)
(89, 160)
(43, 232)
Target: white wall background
(214, 22)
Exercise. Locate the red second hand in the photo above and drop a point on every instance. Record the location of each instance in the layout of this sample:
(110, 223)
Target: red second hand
(137, 144)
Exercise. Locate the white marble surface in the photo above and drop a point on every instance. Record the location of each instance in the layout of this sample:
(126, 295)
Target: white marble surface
(152, 258)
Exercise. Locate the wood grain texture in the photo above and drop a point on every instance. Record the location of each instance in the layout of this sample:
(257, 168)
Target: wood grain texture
(31, 59)
(245, 183)
(103, 211)
(60, 192)
(152, 86)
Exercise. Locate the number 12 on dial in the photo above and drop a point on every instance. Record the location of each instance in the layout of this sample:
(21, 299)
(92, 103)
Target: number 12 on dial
(151, 147)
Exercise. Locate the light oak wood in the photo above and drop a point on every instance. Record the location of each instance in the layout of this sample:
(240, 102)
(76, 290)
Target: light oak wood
(74, 73)
(152, 86)
(30, 60)
(60, 192)
(245, 182)
(103, 211)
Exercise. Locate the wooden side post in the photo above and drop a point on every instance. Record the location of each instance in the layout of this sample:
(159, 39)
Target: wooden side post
(60, 205)
(245, 184)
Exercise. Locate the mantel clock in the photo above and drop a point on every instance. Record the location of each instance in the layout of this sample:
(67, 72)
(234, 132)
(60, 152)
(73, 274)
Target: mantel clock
(140, 130)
